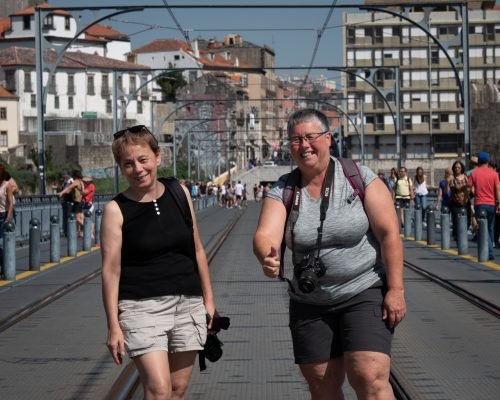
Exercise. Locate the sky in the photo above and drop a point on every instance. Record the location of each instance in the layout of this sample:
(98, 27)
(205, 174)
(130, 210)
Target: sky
(292, 33)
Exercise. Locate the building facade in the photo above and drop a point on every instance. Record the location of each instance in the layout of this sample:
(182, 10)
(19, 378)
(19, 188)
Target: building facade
(432, 119)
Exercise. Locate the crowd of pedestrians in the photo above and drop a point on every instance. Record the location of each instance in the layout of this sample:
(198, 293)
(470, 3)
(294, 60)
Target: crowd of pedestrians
(476, 190)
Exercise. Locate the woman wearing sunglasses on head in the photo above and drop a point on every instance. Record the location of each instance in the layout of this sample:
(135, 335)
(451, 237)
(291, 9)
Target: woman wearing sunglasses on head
(156, 285)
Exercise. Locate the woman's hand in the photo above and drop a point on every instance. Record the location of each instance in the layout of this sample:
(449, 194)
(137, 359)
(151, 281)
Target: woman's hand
(116, 345)
(394, 307)
(210, 308)
(271, 264)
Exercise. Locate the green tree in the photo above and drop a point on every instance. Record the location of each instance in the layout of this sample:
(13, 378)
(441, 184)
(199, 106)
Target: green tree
(169, 82)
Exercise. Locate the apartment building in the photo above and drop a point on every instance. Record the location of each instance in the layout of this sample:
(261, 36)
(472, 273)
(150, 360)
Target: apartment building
(9, 121)
(432, 120)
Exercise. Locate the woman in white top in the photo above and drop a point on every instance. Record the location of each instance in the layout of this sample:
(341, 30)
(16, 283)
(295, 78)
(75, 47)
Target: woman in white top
(420, 190)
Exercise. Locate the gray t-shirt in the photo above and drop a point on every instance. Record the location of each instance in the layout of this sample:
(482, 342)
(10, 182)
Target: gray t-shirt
(349, 249)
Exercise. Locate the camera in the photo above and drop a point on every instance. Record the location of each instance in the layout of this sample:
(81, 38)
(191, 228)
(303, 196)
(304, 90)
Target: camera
(308, 271)
(212, 351)
(213, 348)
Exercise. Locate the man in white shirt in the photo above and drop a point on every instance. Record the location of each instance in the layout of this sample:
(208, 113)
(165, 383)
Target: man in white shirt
(238, 191)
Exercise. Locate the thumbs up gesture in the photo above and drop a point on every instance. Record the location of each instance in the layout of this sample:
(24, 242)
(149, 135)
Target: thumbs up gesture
(271, 265)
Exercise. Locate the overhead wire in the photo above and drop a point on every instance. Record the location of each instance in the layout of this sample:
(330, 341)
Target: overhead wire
(318, 40)
(182, 31)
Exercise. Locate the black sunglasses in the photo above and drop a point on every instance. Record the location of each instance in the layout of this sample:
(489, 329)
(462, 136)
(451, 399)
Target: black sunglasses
(134, 129)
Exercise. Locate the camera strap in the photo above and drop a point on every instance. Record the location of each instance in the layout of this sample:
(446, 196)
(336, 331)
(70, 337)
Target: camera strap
(326, 191)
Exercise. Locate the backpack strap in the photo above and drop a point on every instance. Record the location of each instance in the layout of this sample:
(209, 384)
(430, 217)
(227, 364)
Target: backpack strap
(292, 181)
(179, 196)
(353, 175)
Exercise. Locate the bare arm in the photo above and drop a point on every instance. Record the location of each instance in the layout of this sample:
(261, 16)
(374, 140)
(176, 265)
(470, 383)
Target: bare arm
(69, 188)
(268, 236)
(111, 243)
(10, 203)
(384, 224)
(201, 259)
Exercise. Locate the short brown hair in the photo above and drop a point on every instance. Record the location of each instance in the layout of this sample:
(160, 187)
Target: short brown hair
(138, 138)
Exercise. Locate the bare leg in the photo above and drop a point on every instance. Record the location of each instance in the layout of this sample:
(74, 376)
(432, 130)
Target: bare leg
(181, 367)
(155, 375)
(368, 373)
(325, 380)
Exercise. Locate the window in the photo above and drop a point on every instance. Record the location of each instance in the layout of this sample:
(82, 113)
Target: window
(120, 83)
(26, 22)
(70, 103)
(3, 139)
(27, 82)
(90, 85)
(33, 101)
(379, 122)
(3, 113)
(132, 84)
(67, 23)
(48, 22)
(435, 56)
(71, 84)
(105, 85)
(396, 31)
(139, 107)
(435, 122)
(351, 81)
(407, 123)
(379, 35)
(378, 102)
(448, 143)
(244, 80)
(52, 85)
(177, 57)
(56, 102)
(489, 33)
(10, 80)
(448, 30)
(109, 107)
(351, 35)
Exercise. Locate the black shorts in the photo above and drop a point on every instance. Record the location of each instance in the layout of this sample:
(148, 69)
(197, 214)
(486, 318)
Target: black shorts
(403, 203)
(320, 333)
(77, 208)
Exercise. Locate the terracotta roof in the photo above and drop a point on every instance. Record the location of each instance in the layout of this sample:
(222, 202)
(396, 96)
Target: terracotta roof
(14, 56)
(31, 10)
(4, 26)
(160, 45)
(104, 32)
(5, 93)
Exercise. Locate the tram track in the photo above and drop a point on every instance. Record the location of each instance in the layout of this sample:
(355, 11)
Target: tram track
(128, 382)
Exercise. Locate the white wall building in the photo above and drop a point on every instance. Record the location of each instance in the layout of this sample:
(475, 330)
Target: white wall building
(59, 27)
(9, 120)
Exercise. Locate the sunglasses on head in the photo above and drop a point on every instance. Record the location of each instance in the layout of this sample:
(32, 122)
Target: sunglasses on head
(134, 129)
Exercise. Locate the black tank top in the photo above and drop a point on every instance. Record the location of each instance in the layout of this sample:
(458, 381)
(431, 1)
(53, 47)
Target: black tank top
(158, 256)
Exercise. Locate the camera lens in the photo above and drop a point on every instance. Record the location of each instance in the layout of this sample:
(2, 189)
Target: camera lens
(307, 280)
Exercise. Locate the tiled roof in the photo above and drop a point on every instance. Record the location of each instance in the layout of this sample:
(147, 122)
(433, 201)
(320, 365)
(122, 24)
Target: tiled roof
(31, 10)
(14, 56)
(160, 45)
(4, 26)
(105, 32)
(5, 93)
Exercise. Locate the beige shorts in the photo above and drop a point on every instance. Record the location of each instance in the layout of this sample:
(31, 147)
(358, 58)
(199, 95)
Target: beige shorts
(169, 323)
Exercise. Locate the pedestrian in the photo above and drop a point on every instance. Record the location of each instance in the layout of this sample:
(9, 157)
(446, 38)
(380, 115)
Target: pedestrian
(6, 200)
(75, 189)
(88, 198)
(403, 193)
(223, 195)
(156, 285)
(260, 193)
(471, 214)
(238, 191)
(485, 185)
(420, 190)
(245, 195)
(393, 178)
(444, 191)
(459, 193)
(345, 323)
(255, 190)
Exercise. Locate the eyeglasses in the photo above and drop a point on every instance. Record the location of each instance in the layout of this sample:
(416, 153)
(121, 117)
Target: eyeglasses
(134, 129)
(308, 137)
